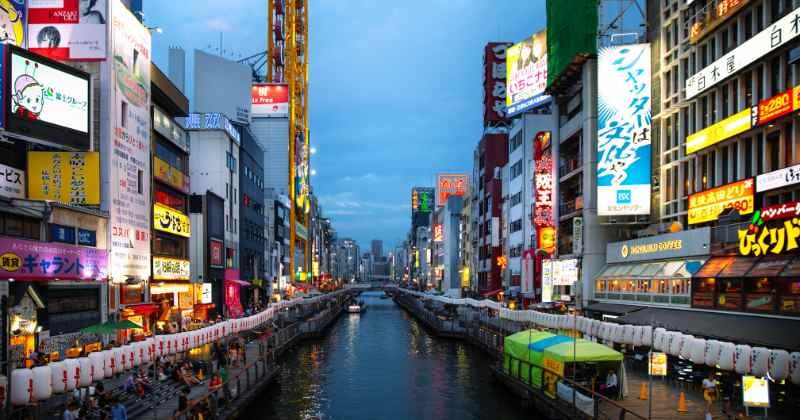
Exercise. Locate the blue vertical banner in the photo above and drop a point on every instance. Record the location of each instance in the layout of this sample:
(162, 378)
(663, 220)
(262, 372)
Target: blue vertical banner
(624, 130)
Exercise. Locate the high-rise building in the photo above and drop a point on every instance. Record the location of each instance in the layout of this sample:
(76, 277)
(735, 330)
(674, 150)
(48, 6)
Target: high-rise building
(377, 248)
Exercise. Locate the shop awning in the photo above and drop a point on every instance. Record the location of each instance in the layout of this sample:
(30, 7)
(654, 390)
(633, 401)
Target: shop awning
(738, 267)
(792, 269)
(157, 289)
(714, 266)
(492, 293)
(680, 269)
(769, 266)
(144, 308)
(742, 329)
(647, 270)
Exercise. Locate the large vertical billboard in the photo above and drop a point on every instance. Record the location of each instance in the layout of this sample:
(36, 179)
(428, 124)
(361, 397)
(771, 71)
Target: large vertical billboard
(494, 84)
(543, 216)
(126, 148)
(422, 200)
(623, 130)
(526, 74)
(68, 29)
(450, 185)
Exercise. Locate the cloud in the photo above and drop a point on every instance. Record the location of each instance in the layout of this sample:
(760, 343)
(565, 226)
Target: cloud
(218, 24)
(348, 200)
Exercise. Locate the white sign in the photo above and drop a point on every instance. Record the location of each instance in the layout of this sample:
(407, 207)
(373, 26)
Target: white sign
(763, 43)
(547, 281)
(68, 30)
(171, 269)
(778, 179)
(577, 235)
(565, 272)
(126, 148)
(755, 391)
(12, 182)
(205, 293)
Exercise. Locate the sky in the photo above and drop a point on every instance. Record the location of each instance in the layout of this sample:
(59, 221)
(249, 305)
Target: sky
(395, 90)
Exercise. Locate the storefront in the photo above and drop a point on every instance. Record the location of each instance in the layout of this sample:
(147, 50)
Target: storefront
(232, 286)
(653, 271)
(173, 293)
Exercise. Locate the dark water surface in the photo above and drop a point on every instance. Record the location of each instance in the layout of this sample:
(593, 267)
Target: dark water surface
(383, 365)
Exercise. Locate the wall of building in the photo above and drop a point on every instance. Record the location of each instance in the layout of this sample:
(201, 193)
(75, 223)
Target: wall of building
(273, 134)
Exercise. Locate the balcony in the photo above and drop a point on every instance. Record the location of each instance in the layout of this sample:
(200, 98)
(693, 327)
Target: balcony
(568, 166)
(570, 207)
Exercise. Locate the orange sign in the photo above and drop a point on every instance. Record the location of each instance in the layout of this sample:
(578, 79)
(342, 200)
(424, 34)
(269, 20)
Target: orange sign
(169, 175)
(449, 185)
(777, 106)
(713, 16)
(707, 205)
(438, 233)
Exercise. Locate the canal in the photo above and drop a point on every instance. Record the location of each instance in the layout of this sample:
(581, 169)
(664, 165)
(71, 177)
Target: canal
(383, 365)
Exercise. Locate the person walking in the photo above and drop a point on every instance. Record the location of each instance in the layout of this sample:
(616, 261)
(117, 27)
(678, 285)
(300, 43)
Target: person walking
(710, 392)
(118, 411)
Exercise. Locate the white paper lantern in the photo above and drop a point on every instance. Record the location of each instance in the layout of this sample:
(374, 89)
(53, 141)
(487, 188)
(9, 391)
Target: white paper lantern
(675, 341)
(686, 346)
(712, 352)
(42, 383)
(637, 335)
(759, 361)
(97, 366)
(727, 352)
(659, 336)
(741, 359)
(58, 377)
(86, 374)
(108, 363)
(778, 364)
(21, 386)
(794, 367)
(128, 352)
(647, 335)
(73, 374)
(697, 350)
(149, 350)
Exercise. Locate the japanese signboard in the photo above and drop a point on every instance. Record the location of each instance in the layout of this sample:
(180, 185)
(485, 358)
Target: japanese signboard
(422, 200)
(68, 29)
(761, 44)
(658, 364)
(725, 129)
(211, 121)
(563, 272)
(707, 205)
(712, 16)
(66, 177)
(269, 100)
(12, 182)
(755, 391)
(526, 74)
(543, 217)
(438, 232)
(547, 281)
(31, 260)
(170, 175)
(623, 130)
(127, 155)
(760, 238)
(167, 219)
(778, 179)
(450, 185)
(171, 269)
(777, 106)
(216, 250)
(494, 84)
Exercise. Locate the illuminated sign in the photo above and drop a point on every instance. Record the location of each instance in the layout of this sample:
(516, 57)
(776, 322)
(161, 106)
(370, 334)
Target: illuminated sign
(674, 245)
(780, 211)
(712, 16)
(215, 253)
(563, 272)
(543, 218)
(526, 74)
(748, 52)
(465, 277)
(759, 239)
(778, 179)
(438, 233)
(168, 128)
(12, 182)
(777, 106)
(32, 260)
(725, 129)
(707, 205)
(211, 121)
(671, 245)
(269, 100)
(755, 391)
(205, 293)
(167, 219)
(658, 364)
(422, 200)
(171, 269)
(65, 177)
(494, 83)
(624, 130)
(502, 262)
(170, 175)
(451, 185)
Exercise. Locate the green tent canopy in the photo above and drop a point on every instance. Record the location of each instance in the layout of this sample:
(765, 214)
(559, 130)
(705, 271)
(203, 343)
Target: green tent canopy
(518, 346)
(126, 324)
(583, 351)
(104, 328)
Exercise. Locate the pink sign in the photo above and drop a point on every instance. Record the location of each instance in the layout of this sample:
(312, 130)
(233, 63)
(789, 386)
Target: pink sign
(233, 303)
(31, 260)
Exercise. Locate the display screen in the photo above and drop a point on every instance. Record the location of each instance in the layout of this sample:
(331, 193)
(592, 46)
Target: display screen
(46, 97)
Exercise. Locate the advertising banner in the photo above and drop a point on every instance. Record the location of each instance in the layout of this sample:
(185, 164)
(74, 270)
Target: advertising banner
(127, 150)
(13, 18)
(451, 185)
(746, 53)
(773, 230)
(526, 74)
(438, 232)
(778, 179)
(169, 175)
(211, 121)
(725, 129)
(32, 260)
(547, 281)
(205, 293)
(171, 269)
(712, 16)
(707, 205)
(658, 364)
(12, 182)
(623, 130)
(755, 391)
(269, 100)
(422, 200)
(66, 177)
(167, 219)
(494, 84)
(543, 217)
(68, 29)
(677, 245)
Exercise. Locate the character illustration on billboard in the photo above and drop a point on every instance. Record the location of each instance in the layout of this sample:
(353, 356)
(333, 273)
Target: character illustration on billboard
(48, 37)
(90, 13)
(12, 25)
(28, 98)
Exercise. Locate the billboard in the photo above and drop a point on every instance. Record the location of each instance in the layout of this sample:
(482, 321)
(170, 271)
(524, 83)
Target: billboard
(34, 260)
(65, 177)
(494, 84)
(269, 100)
(166, 219)
(706, 206)
(221, 85)
(450, 185)
(422, 200)
(543, 217)
(171, 269)
(526, 74)
(47, 100)
(68, 29)
(13, 18)
(438, 232)
(12, 182)
(126, 145)
(623, 130)
(715, 133)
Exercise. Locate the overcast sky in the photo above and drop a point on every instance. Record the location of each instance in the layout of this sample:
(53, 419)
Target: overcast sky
(395, 86)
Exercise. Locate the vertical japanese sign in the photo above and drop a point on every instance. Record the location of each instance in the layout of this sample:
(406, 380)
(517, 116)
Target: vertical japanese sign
(624, 130)
(543, 218)
(65, 177)
(421, 200)
(127, 151)
(68, 29)
(526, 74)
(494, 83)
(450, 185)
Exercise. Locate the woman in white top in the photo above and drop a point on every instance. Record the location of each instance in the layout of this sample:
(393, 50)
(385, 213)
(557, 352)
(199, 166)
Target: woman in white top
(710, 391)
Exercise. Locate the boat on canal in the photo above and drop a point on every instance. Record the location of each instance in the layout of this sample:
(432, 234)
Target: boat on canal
(357, 308)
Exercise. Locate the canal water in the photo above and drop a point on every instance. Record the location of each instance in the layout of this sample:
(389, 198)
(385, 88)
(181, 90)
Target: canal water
(382, 364)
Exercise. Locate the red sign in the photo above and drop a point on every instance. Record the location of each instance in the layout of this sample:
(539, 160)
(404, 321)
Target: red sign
(543, 217)
(169, 200)
(438, 233)
(494, 83)
(451, 185)
(781, 211)
(215, 251)
(269, 100)
(777, 106)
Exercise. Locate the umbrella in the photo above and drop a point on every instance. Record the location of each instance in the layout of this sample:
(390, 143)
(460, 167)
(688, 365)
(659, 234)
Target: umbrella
(125, 324)
(105, 328)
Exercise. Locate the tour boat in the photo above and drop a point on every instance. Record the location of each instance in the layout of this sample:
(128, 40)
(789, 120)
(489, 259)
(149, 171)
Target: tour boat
(357, 308)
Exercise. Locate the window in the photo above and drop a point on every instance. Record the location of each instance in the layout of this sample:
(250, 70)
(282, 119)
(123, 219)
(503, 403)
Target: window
(140, 181)
(516, 199)
(24, 227)
(123, 114)
(516, 141)
(516, 225)
(516, 169)
(748, 163)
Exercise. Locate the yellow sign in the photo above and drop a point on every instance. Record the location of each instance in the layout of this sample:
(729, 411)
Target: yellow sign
(707, 205)
(65, 177)
(167, 219)
(166, 173)
(465, 277)
(658, 364)
(759, 240)
(672, 245)
(554, 366)
(725, 129)
(171, 269)
(755, 391)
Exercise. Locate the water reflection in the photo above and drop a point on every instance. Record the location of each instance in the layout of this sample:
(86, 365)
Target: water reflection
(383, 365)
